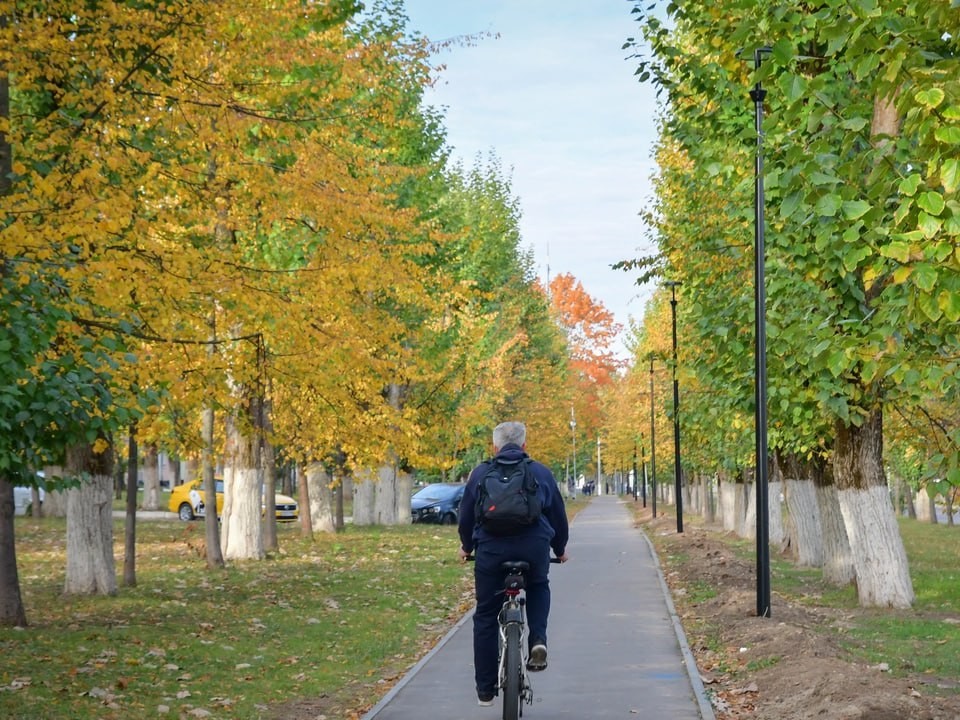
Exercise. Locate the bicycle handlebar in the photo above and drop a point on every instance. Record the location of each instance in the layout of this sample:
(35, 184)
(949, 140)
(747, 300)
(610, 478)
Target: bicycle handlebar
(471, 558)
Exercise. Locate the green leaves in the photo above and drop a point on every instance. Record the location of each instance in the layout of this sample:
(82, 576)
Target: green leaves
(950, 175)
(908, 186)
(828, 205)
(930, 98)
(793, 86)
(855, 209)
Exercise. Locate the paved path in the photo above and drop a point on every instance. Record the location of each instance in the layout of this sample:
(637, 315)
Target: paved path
(616, 646)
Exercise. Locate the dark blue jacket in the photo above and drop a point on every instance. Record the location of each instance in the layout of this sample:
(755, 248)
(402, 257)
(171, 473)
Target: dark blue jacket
(553, 517)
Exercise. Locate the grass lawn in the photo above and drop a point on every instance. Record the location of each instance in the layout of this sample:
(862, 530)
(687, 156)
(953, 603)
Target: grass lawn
(333, 617)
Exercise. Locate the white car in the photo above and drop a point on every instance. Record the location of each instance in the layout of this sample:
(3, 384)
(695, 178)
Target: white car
(23, 499)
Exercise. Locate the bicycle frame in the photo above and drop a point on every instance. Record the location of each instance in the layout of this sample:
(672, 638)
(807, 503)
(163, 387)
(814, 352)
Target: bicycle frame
(515, 690)
(513, 630)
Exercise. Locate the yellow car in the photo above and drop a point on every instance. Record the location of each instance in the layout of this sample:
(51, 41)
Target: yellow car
(190, 508)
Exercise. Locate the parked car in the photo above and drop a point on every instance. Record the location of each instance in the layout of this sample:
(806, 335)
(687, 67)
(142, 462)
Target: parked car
(23, 500)
(188, 508)
(437, 503)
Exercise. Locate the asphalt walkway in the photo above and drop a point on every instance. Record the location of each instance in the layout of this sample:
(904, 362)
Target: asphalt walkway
(616, 647)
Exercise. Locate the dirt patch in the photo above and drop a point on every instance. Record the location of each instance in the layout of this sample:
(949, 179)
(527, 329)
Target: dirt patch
(786, 667)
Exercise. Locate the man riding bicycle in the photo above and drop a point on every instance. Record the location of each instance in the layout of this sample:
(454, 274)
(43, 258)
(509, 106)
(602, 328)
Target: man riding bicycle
(527, 542)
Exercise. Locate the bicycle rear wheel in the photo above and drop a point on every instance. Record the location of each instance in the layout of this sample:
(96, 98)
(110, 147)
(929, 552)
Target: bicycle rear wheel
(512, 672)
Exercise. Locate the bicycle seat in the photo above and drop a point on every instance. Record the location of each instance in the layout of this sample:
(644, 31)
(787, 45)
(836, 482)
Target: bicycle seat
(514, 566)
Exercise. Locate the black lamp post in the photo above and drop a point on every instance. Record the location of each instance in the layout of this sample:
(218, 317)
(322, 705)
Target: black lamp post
(573, 435)
(672, 284)
(643, 471)
(653, 445)
(757, 94)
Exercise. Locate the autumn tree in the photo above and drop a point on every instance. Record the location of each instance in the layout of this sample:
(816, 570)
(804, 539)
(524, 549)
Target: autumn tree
(590, 332)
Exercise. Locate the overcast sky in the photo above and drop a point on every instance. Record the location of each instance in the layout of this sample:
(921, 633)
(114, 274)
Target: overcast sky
(554, 97)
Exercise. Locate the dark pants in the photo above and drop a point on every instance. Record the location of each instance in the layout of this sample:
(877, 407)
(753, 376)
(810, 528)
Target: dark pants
(489, 586)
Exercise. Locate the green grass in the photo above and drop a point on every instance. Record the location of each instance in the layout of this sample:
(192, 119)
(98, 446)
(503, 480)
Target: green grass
(925, 638)
(328, 618)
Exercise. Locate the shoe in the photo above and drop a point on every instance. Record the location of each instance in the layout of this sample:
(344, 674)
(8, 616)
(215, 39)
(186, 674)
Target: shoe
(484, 699)
(538, 657)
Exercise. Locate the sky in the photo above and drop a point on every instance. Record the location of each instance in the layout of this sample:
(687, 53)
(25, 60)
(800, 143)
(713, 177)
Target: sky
(552, 94)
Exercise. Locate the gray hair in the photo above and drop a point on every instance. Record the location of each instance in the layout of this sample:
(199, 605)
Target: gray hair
(509, 433)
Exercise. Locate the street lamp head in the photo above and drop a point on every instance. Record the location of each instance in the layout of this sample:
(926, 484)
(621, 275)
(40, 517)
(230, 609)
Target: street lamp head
(756, 54)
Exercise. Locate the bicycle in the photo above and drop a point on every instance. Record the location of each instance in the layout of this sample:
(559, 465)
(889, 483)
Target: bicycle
(513, 677)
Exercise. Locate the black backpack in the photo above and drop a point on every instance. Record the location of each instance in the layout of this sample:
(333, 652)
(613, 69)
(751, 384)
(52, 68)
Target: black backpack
(508, 501)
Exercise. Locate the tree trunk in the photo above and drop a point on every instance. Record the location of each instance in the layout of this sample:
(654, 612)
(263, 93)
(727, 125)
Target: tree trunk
(54, 501)
(404, 491)
(175, 475)
(339, 490)
(303, 499)
(709, 500)
(748, 510)
(837, 558)
(130, 519)
(364, 497)
(804, 513)
(91, 569)
(899, 488)
(882, 571)
(932, 505)
(12, 613)
(151, 478)
(322, 510)
(11, 603)
(212, 526)
(728, 505)
(775, 529)
(242, 534)
(385, 498)
(911, 506)
(269, 471)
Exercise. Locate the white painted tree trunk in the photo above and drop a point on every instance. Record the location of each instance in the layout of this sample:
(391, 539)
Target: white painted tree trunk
(55, 502)
(91, 568)
(322, 510)
(880, 560)
(692, 501)
(748, 511)
(151, 478)
(837, 560)
(404, 491)
(364, 499)
(707, 499)
(921, 501)
(805, 521)
(775, 530)
(241, 532)
(931, 505)
(728, 506)
(385, 496)
(878, 552)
